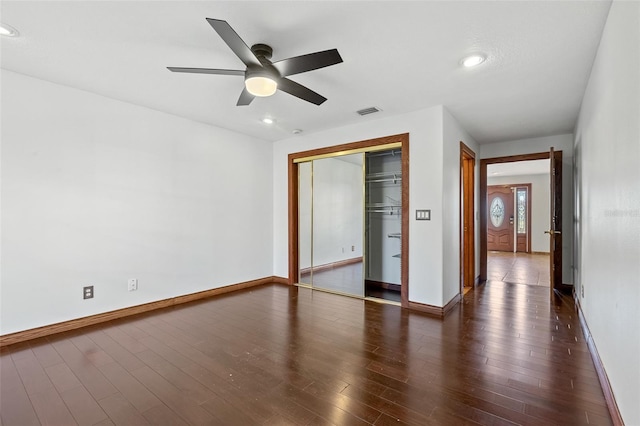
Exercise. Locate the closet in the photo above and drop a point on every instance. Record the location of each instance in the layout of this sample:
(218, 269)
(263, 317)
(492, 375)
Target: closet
(349, 223)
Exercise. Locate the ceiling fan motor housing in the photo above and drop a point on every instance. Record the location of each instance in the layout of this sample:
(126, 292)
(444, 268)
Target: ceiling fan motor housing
(262, 51)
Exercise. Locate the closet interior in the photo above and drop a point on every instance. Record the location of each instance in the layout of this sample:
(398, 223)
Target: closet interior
(383, 225)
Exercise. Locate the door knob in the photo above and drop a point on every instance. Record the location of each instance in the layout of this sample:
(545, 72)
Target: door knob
(552, 232)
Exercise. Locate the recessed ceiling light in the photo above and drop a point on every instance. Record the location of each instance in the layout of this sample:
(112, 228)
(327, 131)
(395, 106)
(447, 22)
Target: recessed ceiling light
(473, 60)
(268, 120)
(8, 31)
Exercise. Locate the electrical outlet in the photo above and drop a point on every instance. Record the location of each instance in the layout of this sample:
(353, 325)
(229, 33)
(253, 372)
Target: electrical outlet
(582, 291)
(132, 284)
(87, 292)
(353, 248)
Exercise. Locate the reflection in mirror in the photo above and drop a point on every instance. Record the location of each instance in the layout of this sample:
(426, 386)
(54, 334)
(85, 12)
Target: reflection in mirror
(337, 224)
(305, 190)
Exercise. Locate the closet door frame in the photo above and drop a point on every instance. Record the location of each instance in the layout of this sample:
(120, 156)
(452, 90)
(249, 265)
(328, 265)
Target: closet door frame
(378, 144)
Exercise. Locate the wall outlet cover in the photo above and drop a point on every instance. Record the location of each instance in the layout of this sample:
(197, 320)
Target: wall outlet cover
(132, 284)
(87, 292)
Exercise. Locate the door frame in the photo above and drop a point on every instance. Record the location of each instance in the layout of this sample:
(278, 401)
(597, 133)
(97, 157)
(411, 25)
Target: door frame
(360, 146)
(467, 215)
(483, 202)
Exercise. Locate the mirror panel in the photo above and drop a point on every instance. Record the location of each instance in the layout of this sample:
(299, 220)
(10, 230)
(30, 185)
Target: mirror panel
(338, 223)
(305, 191)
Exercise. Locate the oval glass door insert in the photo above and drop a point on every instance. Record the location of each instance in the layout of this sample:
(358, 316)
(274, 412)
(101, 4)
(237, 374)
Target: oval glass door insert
(496, 212)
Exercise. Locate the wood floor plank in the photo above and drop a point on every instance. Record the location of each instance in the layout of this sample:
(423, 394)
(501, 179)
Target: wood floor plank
(62, 377)
(121, 412)
(32, 374)
(189, 410)
(46, 354)
(90, 377)
(85, 409)
(134, 392)
(115, 350)
(161, 415)
(51, 409)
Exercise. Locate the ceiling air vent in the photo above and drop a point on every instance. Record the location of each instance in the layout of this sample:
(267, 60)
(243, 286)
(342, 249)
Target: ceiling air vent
(367, 111)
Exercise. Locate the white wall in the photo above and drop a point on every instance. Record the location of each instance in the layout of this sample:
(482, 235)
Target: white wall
(453, 134)
(539, 202)
(608, 199)
(96, 191)
(562, 143)
(425, 184)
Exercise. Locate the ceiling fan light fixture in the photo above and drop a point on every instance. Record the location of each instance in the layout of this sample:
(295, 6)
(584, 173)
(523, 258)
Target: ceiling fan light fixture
(8, 31)
(261, 86)
(473, 60)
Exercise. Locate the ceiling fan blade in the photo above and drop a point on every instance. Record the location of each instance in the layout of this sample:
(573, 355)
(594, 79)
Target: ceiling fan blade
(206, 71)
(245, 98)
(234, 41)
(299, 91)
(309, 62)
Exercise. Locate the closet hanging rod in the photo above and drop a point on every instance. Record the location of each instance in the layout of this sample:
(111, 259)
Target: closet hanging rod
(389, 212)
(382, 153)
(395, 205)
(394, 180)
(383, 174)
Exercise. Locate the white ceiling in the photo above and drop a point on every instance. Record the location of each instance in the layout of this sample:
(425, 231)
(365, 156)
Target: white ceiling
(398, 56)
(531, 167)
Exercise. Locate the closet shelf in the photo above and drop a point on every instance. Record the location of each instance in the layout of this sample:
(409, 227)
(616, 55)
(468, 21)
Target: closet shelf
(380, 177)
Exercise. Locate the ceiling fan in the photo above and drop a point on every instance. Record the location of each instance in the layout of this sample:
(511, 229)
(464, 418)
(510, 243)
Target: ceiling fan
(263, 77)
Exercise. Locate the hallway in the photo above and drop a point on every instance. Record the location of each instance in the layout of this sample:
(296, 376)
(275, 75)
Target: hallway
(518, 268)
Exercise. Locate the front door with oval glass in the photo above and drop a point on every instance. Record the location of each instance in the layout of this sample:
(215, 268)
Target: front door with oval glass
(501, 221)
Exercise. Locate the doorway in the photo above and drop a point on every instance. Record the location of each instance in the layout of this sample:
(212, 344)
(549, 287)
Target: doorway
(554, 212)
(467, 218)
(320, 215)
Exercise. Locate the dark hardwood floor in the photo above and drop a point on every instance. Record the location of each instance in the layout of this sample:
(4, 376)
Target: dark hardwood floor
(278, 355)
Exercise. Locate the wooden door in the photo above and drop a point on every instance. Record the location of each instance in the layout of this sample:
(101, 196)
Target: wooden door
(500, 224)
(555, 232)
(467, 216)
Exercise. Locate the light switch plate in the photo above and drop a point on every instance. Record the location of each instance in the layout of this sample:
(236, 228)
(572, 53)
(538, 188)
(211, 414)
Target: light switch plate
(423, 214)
